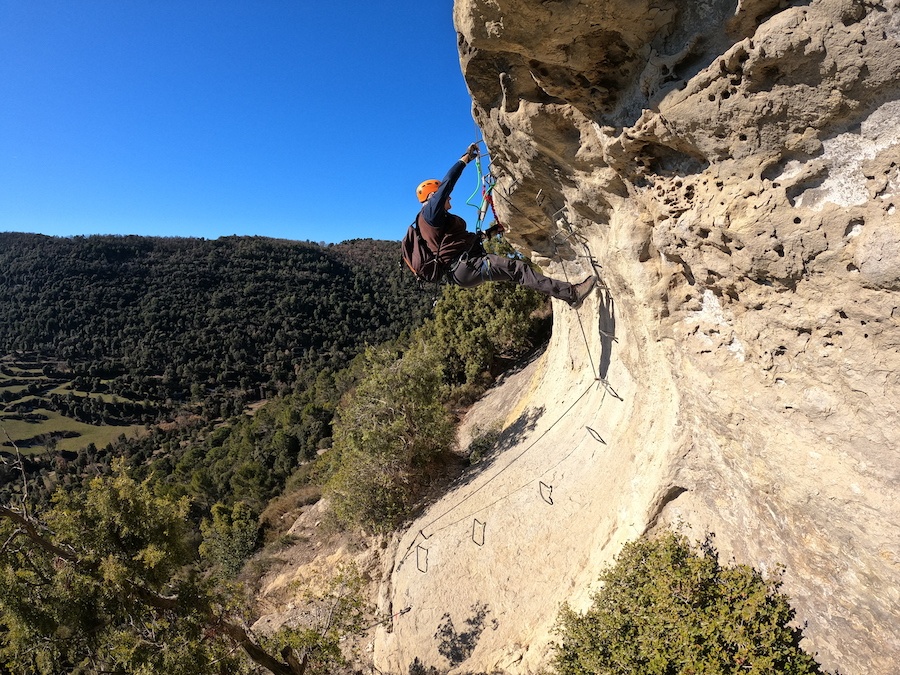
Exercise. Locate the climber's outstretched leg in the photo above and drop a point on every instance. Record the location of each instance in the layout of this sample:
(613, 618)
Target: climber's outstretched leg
(475, 270)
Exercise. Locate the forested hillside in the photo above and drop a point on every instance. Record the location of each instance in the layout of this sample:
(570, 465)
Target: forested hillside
(136, 346)
(188, 319)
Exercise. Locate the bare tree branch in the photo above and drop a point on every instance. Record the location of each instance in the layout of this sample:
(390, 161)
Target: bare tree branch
(257, 653)
(21, 468)
(26, 524)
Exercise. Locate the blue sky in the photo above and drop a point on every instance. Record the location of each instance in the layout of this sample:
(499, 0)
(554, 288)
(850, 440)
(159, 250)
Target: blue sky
(207, 118)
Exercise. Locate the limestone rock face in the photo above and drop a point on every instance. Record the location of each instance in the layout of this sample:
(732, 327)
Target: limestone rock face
(732, 170)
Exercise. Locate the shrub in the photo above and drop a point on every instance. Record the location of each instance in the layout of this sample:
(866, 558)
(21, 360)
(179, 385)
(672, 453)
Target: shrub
(282, 512)
(484, 440)
(666, 608)
(475, 327)
(230, 537)
(387, 435)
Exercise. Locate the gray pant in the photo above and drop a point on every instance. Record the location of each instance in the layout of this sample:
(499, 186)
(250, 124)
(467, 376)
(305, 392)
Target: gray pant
(474, 269)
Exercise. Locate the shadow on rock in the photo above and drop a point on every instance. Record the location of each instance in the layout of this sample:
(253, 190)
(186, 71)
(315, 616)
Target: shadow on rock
(516, 432)
(607, 332)
(457, 646)
(490, 443)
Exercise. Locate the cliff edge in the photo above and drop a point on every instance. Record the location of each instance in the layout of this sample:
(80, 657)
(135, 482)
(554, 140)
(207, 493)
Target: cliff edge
(730, 171)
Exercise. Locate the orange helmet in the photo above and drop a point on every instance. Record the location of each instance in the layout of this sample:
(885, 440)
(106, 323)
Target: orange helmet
(427, 188)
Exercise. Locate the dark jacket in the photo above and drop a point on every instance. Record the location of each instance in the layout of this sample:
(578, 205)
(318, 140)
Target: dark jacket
(444, 232)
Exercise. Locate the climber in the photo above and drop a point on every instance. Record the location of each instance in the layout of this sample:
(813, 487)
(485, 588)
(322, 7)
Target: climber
(462, 254)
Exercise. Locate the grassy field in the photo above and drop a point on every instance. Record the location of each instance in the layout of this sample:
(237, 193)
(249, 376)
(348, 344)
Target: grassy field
(34, 430)
(60, 428)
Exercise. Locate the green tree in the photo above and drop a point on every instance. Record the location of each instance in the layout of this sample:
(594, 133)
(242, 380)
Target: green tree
(475, 326)
(668, 609)
(97, 584)
(230, 536)
(106, 581)
(388, 434)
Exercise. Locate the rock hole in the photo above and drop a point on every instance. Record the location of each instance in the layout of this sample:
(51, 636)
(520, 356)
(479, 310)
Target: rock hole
(725, 94)
(852, 268)
(742, 137)
(673, 493)
(644, 254)
(853, 227)
(798, 220)
(852, 15)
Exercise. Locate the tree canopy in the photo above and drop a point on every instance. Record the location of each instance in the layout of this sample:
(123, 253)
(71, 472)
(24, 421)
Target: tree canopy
(186, 319)
(107, 580)
(667, 608)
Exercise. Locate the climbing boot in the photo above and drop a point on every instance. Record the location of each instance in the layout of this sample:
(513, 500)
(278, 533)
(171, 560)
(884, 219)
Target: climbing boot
(580, 291)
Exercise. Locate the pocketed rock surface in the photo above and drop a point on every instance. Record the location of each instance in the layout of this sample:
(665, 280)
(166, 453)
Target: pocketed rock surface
(730, 170)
